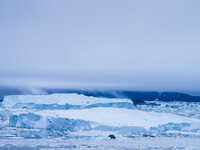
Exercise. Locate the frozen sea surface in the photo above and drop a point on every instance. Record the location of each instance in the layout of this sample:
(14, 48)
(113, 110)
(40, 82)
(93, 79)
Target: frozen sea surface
(73, 121)
(163, 143)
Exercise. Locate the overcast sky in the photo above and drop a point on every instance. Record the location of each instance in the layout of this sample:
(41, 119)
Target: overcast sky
(137, 44)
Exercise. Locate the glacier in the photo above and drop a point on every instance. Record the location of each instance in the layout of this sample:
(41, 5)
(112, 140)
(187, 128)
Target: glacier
(78, 116)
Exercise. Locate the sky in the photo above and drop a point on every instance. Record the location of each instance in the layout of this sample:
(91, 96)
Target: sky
(140, 45)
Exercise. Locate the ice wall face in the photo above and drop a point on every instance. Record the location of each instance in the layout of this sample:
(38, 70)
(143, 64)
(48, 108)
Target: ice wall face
(39, 116)
(59, 99)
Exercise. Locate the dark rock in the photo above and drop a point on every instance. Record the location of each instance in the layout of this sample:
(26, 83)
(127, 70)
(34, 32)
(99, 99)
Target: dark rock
(1, 98)
(138, 97)
(148, 135)
(111, 136)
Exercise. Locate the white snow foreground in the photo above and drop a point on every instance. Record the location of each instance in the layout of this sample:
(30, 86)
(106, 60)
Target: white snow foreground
(158, 143)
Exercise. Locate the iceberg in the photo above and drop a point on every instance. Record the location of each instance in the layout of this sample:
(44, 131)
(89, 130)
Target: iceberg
(119, 117)
(59, 99)
(68, 115)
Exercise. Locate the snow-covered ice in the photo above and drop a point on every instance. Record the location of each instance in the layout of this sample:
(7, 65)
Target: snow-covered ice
(60, 99)
(118, 117)
(163, 143)
(73, 116)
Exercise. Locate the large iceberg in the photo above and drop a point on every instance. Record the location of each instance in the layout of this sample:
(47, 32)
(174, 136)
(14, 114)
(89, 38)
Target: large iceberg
(59, 99)
(39, 116)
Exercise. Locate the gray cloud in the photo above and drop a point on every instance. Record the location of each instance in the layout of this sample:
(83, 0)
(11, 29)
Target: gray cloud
(139, 45)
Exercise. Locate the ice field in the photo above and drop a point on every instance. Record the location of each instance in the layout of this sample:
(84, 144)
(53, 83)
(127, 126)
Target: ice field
(75, 121)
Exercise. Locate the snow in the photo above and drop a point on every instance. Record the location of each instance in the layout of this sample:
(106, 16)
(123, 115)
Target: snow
(61, 99)
(187, 109)
(117, 117)
(158, 143)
